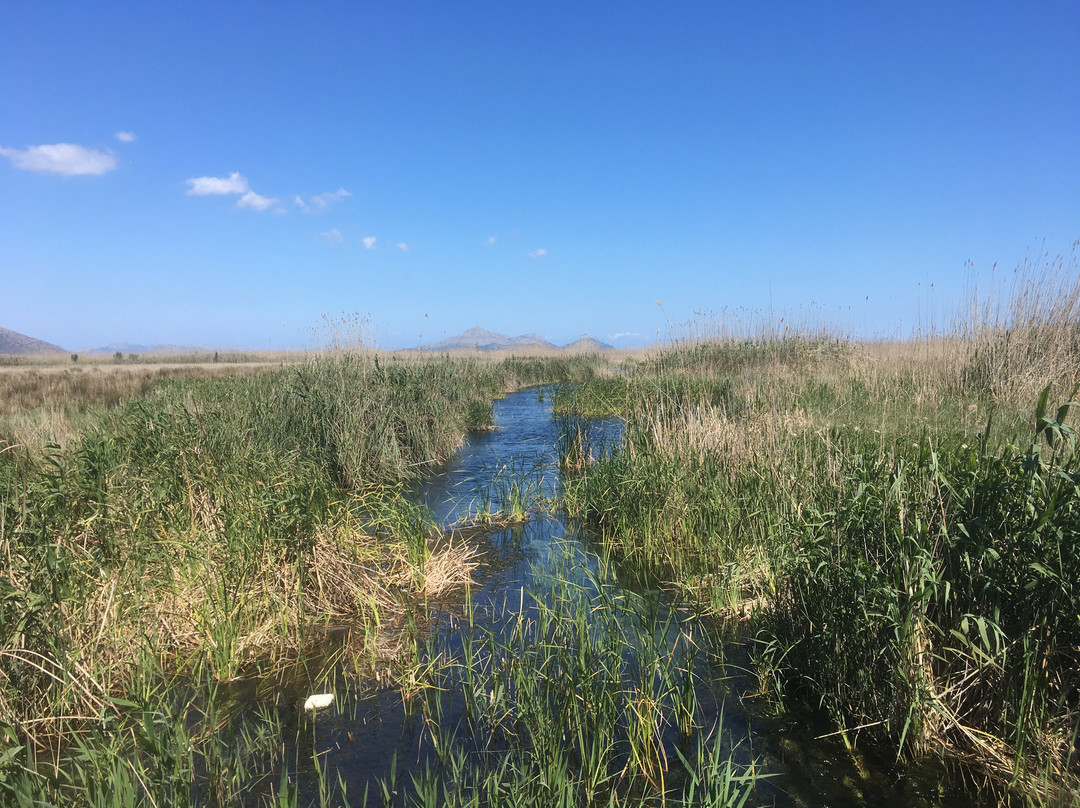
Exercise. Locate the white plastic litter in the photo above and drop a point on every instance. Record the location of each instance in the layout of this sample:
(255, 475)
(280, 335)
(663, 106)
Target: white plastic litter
(318, 701)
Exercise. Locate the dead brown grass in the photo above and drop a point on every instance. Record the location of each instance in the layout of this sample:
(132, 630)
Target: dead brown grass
(450, 567)
(349, 578)
(97, 360)
(46, 403)
(78, 387)
(613, 355)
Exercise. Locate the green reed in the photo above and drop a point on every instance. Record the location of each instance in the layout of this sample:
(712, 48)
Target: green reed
(580, 693)
(905, 565)
(956, 566)
(515, 492)
(206, 527)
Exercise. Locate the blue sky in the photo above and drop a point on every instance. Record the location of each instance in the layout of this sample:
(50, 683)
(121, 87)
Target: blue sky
(226, 174)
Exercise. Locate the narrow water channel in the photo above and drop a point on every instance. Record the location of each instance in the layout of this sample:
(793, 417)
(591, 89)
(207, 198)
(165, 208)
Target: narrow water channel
(375, 734)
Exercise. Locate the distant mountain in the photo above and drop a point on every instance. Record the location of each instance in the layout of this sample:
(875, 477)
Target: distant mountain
(133, 348)
(587, 344)
(480, 339)
(12, 342)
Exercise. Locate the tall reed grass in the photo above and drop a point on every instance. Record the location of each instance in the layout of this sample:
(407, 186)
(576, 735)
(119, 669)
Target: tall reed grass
(896, 524)
(202, 530)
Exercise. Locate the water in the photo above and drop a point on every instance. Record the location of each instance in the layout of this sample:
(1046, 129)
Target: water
(373, 733)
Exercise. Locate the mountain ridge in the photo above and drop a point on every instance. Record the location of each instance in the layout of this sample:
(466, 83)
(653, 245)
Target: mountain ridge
(18, 344)
(135, 348)
(587, 343)
(480, 339)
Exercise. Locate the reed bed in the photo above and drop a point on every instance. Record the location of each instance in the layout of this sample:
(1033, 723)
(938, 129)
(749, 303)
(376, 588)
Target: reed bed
(196, 532)
(896, 524)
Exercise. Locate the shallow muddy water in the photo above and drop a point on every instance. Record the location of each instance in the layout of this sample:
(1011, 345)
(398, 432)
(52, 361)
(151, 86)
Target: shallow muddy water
(373, 733)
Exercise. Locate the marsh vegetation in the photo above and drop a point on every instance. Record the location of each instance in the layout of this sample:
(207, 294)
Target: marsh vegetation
(202, 532)
(885, 536)
(896, 526)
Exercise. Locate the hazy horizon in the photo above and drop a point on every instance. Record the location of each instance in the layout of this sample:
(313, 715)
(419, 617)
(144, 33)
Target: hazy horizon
(354, 339)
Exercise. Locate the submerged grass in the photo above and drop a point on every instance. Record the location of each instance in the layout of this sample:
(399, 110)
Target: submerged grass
(581, 693)
(515, 492)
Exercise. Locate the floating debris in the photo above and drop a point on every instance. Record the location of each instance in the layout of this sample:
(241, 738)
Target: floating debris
(318, 701)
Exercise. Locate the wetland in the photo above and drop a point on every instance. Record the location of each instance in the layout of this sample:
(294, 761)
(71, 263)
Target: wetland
(795, 571)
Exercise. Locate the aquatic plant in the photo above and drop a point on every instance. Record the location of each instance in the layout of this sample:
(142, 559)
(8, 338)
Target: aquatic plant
(579, 693)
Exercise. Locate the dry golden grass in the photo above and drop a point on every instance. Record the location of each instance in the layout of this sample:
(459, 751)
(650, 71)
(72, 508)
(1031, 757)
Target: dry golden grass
(612, 355)
(705, 432)
(29, 387)
(45, 403)
(450, 567)
(350, 578)
(64, 360)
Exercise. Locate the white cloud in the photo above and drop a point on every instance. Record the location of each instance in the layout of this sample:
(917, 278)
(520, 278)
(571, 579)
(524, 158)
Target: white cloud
(403, 246)
(61, 158)
(538, 253)
(320, 203)
(491, 240)
(215, 186)
(253, 201)
(331, 237)
(622, 334)
(235, 183)
(369, 242)
(125, 137)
